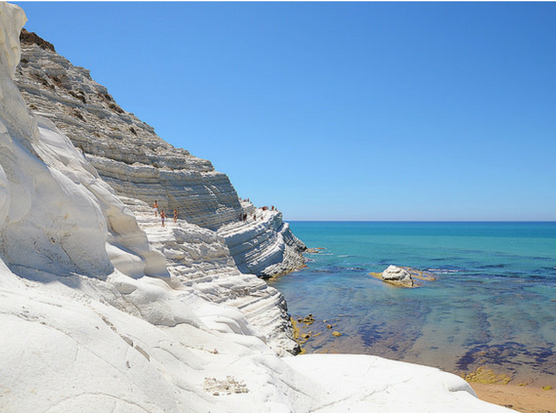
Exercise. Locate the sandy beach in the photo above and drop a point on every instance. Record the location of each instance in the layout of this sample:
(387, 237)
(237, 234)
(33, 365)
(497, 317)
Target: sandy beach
(521, 398)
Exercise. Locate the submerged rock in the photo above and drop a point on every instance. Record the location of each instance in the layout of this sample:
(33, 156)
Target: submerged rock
(310, 319)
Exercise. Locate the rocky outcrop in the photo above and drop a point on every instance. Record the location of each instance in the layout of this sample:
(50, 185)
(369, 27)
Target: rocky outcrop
(31, 237)
(199, 259)
(262, 238)
(398, 276)
(125, 151)
(27, 38)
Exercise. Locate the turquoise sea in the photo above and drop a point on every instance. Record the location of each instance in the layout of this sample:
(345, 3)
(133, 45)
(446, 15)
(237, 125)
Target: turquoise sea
(492, 305)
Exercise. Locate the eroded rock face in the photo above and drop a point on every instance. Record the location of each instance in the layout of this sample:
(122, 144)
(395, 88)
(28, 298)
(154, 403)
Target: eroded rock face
(27, 38)
(125, 151)
(40, 207)
(209, 250)
(137, 164)
(398, 276)
(262, 240)
(199, 260)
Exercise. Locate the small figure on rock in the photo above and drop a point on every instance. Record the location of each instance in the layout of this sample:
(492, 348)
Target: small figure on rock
(176, 215)
(162, 216)
(155, 207)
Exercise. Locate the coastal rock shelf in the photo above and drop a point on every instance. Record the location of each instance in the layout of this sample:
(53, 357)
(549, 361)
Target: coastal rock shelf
(199, 259)
(104, 309)
(263, 239)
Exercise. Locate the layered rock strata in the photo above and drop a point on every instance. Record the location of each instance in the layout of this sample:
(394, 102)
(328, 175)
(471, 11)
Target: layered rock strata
(261, 239)
(199, 259)
(125, 151)
(130, 157)
(210, 242)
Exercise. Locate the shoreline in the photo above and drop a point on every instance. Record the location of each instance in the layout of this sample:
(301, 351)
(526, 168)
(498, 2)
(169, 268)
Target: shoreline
(488, 386)
(502, 372)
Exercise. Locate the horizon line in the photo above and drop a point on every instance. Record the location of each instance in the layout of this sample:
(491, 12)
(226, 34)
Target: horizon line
(423, 221)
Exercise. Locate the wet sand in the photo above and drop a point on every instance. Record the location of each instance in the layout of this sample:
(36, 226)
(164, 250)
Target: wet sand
(523, 399)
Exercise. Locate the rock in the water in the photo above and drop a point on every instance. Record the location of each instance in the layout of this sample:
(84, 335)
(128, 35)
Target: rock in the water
(398, 276)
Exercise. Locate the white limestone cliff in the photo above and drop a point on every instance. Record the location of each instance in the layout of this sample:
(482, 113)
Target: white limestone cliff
(140, 168)
(102, 310)
(137, 164)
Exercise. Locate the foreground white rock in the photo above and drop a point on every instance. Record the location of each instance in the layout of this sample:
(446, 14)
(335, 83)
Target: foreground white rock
(64, 350)
(84, 328)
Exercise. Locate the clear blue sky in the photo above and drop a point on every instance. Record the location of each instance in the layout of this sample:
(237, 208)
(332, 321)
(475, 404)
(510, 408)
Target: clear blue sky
(339, 111)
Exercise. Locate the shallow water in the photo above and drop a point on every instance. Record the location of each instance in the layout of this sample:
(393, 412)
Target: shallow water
(493, 303)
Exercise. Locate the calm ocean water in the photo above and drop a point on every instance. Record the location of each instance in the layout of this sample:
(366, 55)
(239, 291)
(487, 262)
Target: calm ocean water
(493, 303)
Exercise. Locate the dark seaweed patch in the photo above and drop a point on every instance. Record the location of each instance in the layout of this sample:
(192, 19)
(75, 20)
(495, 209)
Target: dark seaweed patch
(371, 333)
(507, 354)
(492, 266)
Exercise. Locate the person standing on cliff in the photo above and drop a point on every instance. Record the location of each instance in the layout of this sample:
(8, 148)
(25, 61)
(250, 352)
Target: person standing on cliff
(162, 216)
(155, 207)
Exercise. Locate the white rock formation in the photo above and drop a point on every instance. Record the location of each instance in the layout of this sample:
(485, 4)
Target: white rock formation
(261, 240)
(83, 330)
(398, 276)
(138, 164)
(142, 168)
(199, 259)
